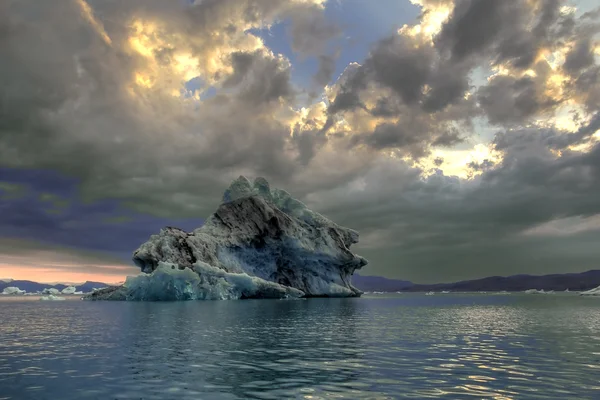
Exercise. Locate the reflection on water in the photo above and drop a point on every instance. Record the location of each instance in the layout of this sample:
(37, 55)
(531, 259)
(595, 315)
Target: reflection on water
(380, 347)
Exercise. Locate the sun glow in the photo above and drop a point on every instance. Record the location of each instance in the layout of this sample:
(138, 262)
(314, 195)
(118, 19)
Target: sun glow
(456, 162)
(431, 24)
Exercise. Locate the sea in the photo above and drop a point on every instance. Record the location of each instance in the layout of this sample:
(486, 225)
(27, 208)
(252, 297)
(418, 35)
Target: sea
(385, 346)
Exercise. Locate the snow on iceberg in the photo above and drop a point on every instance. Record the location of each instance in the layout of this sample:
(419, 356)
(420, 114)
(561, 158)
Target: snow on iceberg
(260, 243)
(593, 292)
(51, 297)
(13, 290)
(69, 290)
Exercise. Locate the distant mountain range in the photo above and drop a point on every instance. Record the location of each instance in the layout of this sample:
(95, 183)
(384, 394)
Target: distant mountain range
(515, 283)
(379, 284)
(32, 287)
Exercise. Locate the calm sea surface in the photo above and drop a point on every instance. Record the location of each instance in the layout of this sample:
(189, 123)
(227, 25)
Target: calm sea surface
(375, 347)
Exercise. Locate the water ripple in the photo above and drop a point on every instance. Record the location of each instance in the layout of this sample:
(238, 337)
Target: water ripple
(380, 347)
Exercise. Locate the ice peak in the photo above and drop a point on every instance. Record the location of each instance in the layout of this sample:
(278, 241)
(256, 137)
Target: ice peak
(242, 187)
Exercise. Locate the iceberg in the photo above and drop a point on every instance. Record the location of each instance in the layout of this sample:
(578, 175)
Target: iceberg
(69, 290)
(52, 291)
(51, 297)
(260, 243)
(541, 291)
(12, 290)
(593, 292)
(534, 291)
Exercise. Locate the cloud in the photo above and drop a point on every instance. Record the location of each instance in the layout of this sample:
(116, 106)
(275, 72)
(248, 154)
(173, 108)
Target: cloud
(393, 148)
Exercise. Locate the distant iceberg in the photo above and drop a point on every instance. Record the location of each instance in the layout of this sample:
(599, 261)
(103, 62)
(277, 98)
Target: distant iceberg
(535, 291)
(12, 290)
(260, 243)
(429, 293)
(51, 297)
(52, 291)
(69, 290)
(593, 292)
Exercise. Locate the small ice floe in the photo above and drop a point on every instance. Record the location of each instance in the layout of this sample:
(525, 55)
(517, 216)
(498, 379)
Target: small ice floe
(13, 290)
(51, 297)
(445, 291)
(429, 293)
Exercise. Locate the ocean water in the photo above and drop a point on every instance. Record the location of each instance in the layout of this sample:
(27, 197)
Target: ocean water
(375, 347)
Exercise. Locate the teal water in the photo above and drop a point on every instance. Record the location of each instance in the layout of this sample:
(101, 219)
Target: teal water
(375, 347)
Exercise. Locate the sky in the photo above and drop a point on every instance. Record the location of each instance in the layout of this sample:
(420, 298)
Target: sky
(459, 137)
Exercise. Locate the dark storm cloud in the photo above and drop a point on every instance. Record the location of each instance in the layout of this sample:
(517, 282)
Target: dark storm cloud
(70, 110)
(474, 25)
(580, 57)
(429, 80)
(394, 63)
(101, 226)
(70, 103)
(509, 100)
(508, 31)
(262, 79)
(443, 229)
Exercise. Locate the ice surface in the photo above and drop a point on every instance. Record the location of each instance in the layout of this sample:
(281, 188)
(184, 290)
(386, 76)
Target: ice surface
(69, 290)
(12, 290)
(51, 297)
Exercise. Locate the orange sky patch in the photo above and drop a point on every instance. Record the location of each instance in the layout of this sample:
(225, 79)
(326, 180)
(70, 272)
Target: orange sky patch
(113, 274)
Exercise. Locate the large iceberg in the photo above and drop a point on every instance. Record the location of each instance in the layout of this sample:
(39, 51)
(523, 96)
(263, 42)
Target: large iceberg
(13, 290)
(260, 243)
